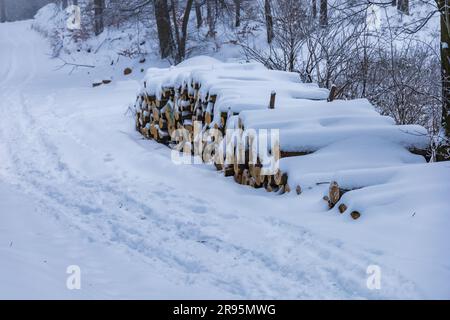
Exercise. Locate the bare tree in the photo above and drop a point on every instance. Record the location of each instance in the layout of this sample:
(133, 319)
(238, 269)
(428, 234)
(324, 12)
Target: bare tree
(443, 7)
(269, 20)
(285, 34)
(237, 8)
(403, 6)
(323, 13)
(181, 38)
(198, 13)
(166, 44)
(210, 17)
(99, 6)
(314, 8)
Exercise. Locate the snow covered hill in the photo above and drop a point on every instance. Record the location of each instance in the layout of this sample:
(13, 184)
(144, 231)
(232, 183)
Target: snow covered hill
(79, 186)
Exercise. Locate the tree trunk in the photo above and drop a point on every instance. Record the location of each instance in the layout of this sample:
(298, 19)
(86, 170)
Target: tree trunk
(323, 13)
(403, 6)
(176, 29)
(237, 4)
(2, 11)
(164, 28)
(198, 14)
(64, 4)
(269, 20)
(445, 65)
(99, 5)
(210, 18)
(184, 27)
(314, 9)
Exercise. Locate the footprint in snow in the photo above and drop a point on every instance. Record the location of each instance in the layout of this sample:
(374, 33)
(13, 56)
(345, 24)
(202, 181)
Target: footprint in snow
(108, 158)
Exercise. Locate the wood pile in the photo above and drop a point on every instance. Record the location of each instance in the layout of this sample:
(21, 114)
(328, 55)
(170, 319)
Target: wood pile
(249, 98)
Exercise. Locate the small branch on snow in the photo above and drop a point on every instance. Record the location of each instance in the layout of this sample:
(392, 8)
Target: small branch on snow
(74, 65)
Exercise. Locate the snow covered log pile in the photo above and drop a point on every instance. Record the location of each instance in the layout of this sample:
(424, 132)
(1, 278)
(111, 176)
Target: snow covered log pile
(206, 90)
(267, 128)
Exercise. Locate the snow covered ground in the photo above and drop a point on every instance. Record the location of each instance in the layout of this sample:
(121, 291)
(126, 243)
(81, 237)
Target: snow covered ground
(78, 186)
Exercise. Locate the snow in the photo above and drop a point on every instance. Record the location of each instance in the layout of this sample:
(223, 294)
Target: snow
(238, 86)
(78, 186)
(402, 187)
(409, 136)
(355, 153)
(305, 125)
(305, 111)
(47, 18)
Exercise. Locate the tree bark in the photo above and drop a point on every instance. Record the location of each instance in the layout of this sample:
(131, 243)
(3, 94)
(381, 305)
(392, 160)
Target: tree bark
(2, 11)
(176, 29)
(164, 28)
(269, 20)
(403, 6)
(314, 8)
(445, 64)
(198, 14)
(184, 27)
(323, 13)
(237, 4)
(210, 18)
(99, 5)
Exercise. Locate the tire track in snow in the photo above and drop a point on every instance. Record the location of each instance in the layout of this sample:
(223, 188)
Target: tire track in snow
(128, 230)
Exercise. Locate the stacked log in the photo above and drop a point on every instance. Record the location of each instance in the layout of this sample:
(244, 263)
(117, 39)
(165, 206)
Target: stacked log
(182, 107)
(196, 105)
(158, 118)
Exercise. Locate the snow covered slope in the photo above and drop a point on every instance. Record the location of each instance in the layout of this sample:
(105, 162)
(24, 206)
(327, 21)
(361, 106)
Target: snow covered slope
(78, 186)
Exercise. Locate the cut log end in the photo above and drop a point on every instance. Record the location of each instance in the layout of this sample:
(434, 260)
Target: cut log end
(287, 188)
(333, 92)
(355, 215)
(334, 194)
(127, 71)
(272, 100)
(342, 208)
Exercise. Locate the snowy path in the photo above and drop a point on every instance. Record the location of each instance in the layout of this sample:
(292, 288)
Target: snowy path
(79, 186)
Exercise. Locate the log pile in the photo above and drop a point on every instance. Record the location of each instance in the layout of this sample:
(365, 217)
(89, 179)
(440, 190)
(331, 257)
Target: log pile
(179, 105)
